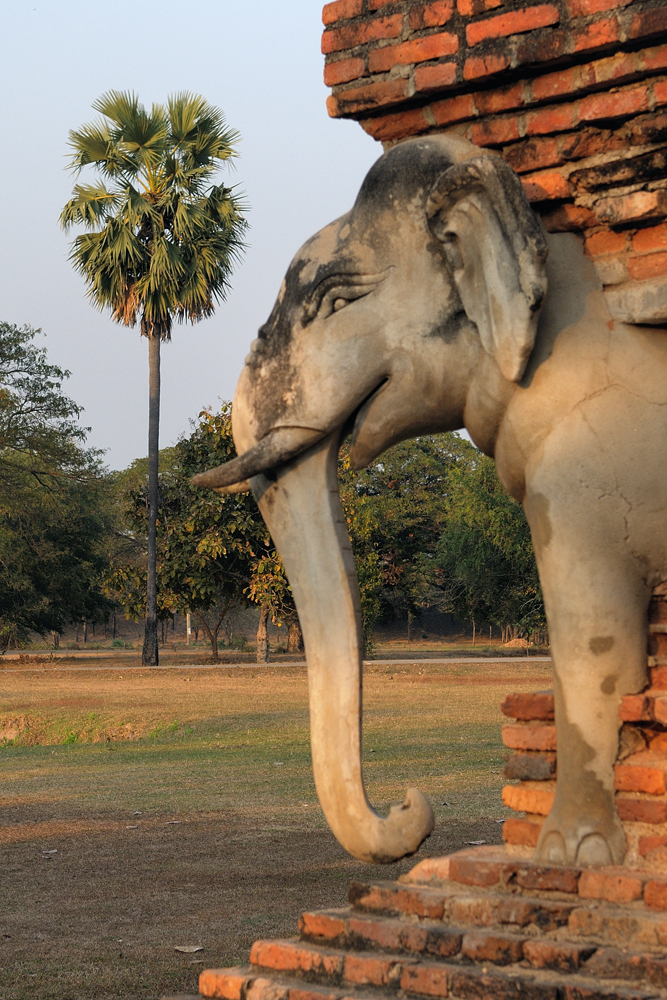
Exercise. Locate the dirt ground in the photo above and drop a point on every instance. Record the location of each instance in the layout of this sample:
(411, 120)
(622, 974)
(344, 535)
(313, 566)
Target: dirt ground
(101, 918)
(144, 810)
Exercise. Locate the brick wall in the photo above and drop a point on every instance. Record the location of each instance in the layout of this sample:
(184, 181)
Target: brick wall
(572, 93)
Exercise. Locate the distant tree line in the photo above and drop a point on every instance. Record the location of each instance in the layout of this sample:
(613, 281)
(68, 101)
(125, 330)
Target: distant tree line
(430, 524)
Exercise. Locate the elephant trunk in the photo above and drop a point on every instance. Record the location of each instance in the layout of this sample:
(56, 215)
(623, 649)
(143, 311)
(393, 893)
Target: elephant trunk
(303, 513)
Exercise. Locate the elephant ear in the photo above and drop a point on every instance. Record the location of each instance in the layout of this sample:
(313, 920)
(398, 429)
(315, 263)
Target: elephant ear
(497, 250)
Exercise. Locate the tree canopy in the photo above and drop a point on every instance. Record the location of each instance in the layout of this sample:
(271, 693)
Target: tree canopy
(54, 512)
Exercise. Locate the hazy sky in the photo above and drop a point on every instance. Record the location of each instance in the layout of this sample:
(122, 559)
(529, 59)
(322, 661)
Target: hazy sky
(260, 62)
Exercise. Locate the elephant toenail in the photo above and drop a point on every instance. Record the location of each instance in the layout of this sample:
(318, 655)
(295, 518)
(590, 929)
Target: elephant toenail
(553, 849)
(593, 850)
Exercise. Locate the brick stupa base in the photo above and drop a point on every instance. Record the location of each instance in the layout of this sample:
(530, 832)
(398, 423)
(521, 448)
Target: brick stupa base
(483, 923)
(490, 923)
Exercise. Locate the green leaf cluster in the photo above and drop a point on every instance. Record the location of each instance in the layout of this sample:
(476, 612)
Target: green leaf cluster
(160, 238)
(54, 504)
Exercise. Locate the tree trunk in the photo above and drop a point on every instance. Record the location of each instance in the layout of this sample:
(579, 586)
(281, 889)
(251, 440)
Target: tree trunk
(113, 626)
(263, 635)
(149, 655)
(85, 630)
(294, 638)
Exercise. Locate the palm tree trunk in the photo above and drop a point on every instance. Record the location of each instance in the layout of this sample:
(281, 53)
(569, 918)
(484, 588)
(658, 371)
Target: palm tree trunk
(149, 655)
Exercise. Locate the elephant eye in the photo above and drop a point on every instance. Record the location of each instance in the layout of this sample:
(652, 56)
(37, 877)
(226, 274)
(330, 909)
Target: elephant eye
(339, 304)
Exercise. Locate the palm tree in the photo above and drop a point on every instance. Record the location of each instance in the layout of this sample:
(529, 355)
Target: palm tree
(160, 239)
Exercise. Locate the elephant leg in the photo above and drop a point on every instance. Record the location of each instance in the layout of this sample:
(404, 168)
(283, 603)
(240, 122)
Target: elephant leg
(596, 606)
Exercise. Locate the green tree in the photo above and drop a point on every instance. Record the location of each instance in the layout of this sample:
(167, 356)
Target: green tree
(484, 564)
(54, 503)
(214, 551)
(160, 239)
(395, 510)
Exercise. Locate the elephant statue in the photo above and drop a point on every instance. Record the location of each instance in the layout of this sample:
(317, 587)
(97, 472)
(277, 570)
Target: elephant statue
(437, 303)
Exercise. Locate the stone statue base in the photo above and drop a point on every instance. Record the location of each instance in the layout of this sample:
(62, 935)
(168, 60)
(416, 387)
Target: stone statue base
(484, 923)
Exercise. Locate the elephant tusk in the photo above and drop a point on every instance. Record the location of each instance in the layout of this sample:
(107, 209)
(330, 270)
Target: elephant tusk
(242, 487)
(277, 447)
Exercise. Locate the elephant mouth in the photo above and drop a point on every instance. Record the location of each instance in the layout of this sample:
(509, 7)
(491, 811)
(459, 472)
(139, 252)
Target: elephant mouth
(279, 446)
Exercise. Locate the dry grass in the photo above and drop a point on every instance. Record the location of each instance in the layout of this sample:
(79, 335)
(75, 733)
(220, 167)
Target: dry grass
(225, 753)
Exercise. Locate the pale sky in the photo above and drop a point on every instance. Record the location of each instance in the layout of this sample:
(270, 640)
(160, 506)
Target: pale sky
(260, 62)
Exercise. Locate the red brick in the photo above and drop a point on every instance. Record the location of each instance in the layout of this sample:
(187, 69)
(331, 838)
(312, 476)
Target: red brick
(565, 81)
(431, 15)
(657, 609)
(453, 109)
(470, 8)
(347, 37)
(521, 831)
(377, 4)
(650, 22)
(501, 949)
(341, 10)
(641, 810)
(476, 67)
(633, 707)
(535, 154)
(490, 103)
(614, 888)
(321, 925)
(619, 105)
(648, 266)
(383, 933)
(659, 677)
(549, 120)
(660, 710)
(427, 980)
(655, 58)
(371, 970)
(556, 954)
(542, 46)
(410, 900)
(616, 67)
(529, 706)
(545, 186)
(512, 24)
(396, 126)
(635, 778)
(223, 984)
(655, 895)
(595, 35)
(343, 71)
(658, 743)
(527, 737)
(471, 870)
(568, 219)
(648, 844)
(495, 131)
(262, 988)
(546, 878)
(660, 92)
(416, 51)
(293, 956)
(654, 238)
(588, 142)
(366, 98)
(632, 207)
(657, 644)
(584, 8)
(434, 77)
(601, 243)
(546, 915)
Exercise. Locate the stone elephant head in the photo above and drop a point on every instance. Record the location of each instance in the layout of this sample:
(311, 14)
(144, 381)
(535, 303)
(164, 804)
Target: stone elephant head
(415, 313)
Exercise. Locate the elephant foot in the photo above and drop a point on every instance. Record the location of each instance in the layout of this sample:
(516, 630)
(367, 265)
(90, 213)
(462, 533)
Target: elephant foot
(579, 843)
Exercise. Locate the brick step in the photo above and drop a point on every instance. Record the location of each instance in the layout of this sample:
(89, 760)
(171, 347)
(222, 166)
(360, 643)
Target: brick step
(247, 982)
(422, 979)
(346, 931)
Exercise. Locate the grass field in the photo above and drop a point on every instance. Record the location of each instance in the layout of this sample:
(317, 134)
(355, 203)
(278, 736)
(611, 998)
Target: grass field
(182, 810)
